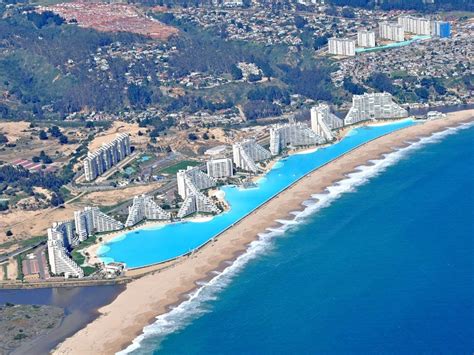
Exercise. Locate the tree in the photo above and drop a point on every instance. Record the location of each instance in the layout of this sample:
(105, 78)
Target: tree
(9, 233)
(3, 138)
(320, 42)
(56, 200)
(381, 82)
(63, 139)
(300, 22)
(347, 12)
(139, 96)
(192, 136)
(205, 136)
(254, 77)
(55, 131)
(422, 93)
(42, 135)
(236, 72)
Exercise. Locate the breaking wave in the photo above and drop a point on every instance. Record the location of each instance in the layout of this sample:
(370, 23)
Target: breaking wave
(198, 301)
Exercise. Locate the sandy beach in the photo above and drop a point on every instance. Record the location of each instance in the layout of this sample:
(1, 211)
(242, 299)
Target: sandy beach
(145, 298)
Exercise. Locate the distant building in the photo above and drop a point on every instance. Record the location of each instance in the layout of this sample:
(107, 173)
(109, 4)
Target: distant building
(373, 106)
(144, 207)
(366, 38)
(64, 230)
(91, 220)
(96, 163)
(193, 178)
(291, 134)
(247, 152)
(59, 260)
(441, 29)
(217, 151)
(391, 31)
(323, 121)
(415, 25)
(341, 46)
(220, 168)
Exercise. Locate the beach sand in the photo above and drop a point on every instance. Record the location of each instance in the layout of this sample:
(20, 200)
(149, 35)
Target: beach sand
(153, 294)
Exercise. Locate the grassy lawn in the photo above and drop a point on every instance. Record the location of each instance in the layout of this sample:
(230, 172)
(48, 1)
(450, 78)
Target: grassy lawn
(173, 169)
(79, 258)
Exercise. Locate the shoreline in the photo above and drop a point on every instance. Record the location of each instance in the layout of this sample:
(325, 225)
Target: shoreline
(146, 298)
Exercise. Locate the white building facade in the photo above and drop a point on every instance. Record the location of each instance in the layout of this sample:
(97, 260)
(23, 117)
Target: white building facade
(373, 106)
(91, 220)
(323, 122)
(341, 46)
(144, 207)
(220, 168)
(59, 236)
(247, 152)
(415, 25)
(391, 31)
(366, 38)
(193, 178)
(291, 134)
(96, 163)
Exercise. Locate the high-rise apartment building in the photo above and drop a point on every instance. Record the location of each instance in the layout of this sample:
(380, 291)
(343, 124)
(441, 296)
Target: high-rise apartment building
(60, 236)
(323, 122)
(91, 220)
(144, 207)
(415, 25)
(291, 134)
(220, 168)
(391, 31)
(247, 152)
(341, 46)
(96, 163)
(193, 178)
(197, 202)
(441, 29)
(373, 106)
(366, 38)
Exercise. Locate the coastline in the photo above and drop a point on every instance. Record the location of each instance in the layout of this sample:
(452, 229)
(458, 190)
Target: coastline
(154, 294)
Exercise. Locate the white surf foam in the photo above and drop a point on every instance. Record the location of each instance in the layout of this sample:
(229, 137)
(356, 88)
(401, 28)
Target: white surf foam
(195, 305)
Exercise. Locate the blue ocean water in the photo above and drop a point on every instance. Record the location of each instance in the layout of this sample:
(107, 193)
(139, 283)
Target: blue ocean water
(386, 267)
(149, 246)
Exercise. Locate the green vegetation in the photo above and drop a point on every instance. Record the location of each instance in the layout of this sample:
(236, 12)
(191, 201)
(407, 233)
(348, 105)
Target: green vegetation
(80, 259)
(173, 169)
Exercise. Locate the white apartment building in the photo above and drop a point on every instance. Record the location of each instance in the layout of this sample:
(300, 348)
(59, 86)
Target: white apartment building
(323, 121)
(341, 46)
(220, 168)
(291, 134)
(247, 152)
(91, 220)
(197, 202)
(96, 163)
(144, 207)
(193, 178)
(391, 31)
(60, 262)
(415, 25)
(373, 106)
(366, 38)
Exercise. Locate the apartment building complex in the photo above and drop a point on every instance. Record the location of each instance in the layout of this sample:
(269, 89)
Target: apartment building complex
(291, 134)
(193, 178)
(441, 29)
(60, 237)
(144, 207)
(415, 25)
(91, 220)
(373, 106)
(366, 38)
(323, 122)
(247, 152)
(96, 163)
(220, 168)
(197, 202)
(341, 46)
(391, 31)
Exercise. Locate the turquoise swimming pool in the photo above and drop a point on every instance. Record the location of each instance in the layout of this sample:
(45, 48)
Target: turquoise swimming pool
(393, 45)
(144, 247)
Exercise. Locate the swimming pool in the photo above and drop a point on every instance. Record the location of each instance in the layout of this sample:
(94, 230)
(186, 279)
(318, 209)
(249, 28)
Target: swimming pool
(148, 246)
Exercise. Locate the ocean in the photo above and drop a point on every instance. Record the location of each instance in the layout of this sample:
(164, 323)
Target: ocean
(382, 264)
